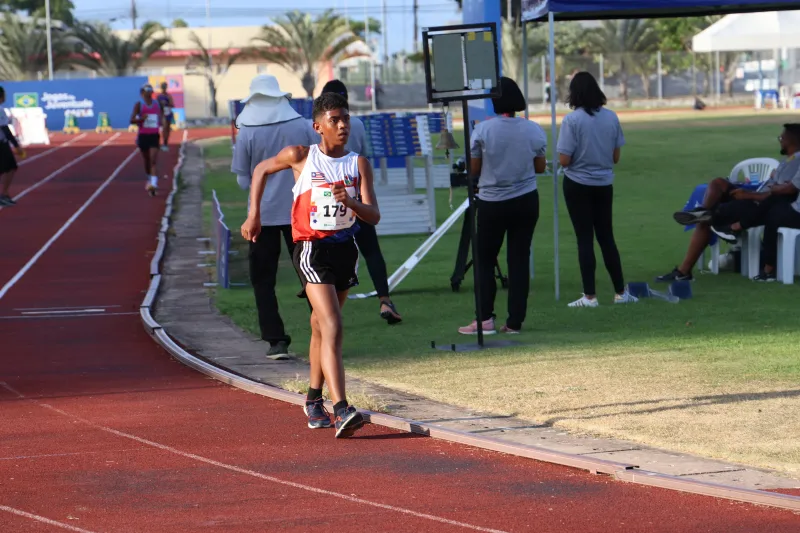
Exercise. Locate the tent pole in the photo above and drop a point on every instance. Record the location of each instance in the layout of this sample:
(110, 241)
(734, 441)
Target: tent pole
(716, 91)
(551, 49)
(525, 92)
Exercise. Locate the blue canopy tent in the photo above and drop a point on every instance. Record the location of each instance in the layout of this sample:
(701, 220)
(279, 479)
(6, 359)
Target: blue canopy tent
(553, 10)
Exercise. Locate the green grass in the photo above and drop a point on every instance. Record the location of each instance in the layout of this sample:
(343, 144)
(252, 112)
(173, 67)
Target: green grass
(734, 337)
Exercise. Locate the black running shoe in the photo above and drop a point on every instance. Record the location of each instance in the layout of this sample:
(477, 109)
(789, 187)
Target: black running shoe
(765, 276)
(278, 351)
(7, 201)
(693, 216)
(348, 421)
(725, 233)
(675, 275)
(318, 416)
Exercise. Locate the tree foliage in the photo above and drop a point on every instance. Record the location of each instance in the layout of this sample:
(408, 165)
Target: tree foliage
(103, 51)
(203, 62)
(302, 44)
(23, 48)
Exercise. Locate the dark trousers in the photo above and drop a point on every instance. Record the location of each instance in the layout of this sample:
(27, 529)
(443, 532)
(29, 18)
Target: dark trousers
(263, 256)
(516, 218)
(748, 213)
(590, 209)
(781, 215)
(367, 241)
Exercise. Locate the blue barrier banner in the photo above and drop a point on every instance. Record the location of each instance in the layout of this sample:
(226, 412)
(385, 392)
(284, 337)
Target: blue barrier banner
(84, 99)
(222, 244)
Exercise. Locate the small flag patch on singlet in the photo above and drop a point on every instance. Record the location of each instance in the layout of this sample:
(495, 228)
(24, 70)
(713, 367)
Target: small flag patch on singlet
(317, 178)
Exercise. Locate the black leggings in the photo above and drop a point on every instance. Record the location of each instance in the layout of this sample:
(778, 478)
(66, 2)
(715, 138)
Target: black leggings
(367, 241)
(516, 218)
(590, 210)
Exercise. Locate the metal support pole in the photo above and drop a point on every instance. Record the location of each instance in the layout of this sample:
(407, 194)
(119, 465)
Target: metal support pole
(544, 81)
(602, 74)
(716, 91)
(554, 140)
(525, 92)
(371, 53)
(49, 40)
(660, 84)
(471, 212)
(385, 34)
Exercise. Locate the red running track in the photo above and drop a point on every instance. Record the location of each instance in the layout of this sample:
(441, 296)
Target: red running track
(103, 432)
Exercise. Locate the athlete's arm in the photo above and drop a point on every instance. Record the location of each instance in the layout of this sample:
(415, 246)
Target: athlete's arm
(289, 157)
(135, 113)
(367, 208)
(9, 135)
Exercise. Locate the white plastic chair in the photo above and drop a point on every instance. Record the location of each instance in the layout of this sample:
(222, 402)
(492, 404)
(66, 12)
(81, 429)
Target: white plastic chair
(788, 255)
(756, 169)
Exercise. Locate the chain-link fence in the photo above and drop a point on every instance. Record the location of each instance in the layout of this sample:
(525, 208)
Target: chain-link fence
(647, 79)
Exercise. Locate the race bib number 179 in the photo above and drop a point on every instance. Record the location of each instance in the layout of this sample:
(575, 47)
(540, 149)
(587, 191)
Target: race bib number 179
(326, 213)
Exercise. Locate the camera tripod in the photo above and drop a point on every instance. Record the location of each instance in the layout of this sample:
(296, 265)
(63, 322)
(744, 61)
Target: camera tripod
(462, 265)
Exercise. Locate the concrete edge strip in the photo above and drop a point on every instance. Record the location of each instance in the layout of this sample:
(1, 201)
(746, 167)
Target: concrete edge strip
(621, 471)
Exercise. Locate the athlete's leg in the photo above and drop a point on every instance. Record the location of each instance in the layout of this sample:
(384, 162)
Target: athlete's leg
(147, 161)
(317, 377)
(166, 130)
(154, 158)
(5, 182)
(326, 323)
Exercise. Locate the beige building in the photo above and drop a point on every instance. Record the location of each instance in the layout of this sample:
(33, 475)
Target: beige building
(232, 84)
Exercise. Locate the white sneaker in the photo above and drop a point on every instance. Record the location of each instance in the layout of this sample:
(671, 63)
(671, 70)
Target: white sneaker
(164, 148)
(154, 181)
(583, 301)
(625, 298)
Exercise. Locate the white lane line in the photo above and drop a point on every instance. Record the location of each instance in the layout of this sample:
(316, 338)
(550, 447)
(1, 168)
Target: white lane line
(66, 225)
(42, 519)
(65, 307)
(65, 312)
(252, 473)
(51, 150)
(34, 317)
(65, 167)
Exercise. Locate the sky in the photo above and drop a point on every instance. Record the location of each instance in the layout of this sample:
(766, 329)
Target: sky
(258, 12)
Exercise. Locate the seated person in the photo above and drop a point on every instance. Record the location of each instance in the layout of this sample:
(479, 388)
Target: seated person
(781, 214)
(726, 203)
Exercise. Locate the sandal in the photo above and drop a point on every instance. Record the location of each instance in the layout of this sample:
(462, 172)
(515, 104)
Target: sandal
(391, 316)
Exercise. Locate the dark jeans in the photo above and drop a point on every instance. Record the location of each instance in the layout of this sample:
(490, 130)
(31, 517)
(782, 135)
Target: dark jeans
(516, 218)
(590, 209)
(781, 215)
(264, 255)
(367, 241)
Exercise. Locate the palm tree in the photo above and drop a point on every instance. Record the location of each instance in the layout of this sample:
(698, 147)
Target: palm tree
(628, 46)
(302, 45)
(23, 48)
(213, 67)
(103, 51)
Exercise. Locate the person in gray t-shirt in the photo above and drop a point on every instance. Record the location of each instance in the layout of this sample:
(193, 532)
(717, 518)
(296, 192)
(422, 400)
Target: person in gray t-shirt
(506, 152)
(780, 205)
(589, 145)
(267, 125)
(366, 237)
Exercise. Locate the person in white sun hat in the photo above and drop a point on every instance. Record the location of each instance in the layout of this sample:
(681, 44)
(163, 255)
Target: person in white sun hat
(266, 125)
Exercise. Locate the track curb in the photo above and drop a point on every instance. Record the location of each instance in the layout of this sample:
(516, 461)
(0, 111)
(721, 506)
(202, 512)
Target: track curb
(620, 471)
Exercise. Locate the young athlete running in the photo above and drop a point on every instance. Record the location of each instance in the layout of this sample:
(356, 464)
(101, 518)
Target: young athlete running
(332, 188)
(8, 163)
(167, 104)
(147, 114)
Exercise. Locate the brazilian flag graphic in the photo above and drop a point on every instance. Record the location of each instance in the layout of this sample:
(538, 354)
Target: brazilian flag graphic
(26, 99)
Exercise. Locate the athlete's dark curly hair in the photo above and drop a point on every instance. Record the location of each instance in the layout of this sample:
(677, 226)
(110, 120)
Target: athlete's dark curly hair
(328, 102)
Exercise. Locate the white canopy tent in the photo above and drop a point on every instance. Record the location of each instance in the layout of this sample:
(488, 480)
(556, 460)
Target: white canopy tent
(750, 31)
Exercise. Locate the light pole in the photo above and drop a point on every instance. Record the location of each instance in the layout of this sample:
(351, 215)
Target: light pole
(49, 40)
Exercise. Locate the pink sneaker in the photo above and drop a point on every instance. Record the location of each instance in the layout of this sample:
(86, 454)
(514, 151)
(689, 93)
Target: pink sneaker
(508, 330)
(472, 329)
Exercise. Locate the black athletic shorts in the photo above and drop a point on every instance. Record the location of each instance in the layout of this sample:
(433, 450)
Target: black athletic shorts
(146, 141)
(7, 160)
(326, 263)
